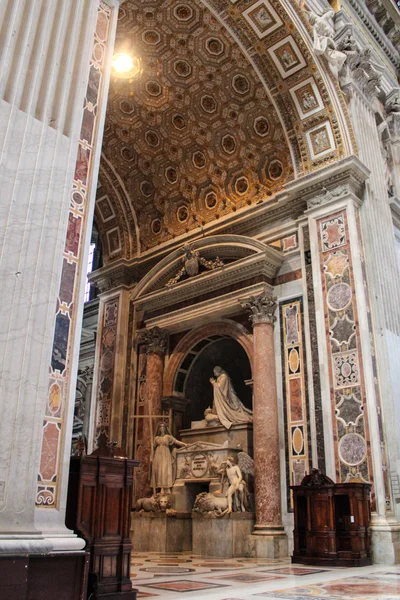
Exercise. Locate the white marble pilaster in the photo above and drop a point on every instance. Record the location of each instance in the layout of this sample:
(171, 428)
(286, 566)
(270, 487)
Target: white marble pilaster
(40, 119)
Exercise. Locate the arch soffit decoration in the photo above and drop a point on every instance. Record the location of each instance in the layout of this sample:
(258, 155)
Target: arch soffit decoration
(224, 246)
(275, 39)
(223, 327)
(115, 215)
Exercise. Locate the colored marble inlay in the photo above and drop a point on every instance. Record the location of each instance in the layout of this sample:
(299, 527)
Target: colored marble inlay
(247, 577)
(351, 436)
(108, 333)
(183, 586)
(295, 392)
(295, 571)
(357, 588)
(46, 494)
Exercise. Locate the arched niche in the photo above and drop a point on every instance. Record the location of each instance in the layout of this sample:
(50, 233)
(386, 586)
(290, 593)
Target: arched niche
(205, 334)
(224, 352)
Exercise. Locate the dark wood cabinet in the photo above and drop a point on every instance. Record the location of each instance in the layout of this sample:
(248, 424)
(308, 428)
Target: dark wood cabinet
(99, 507)
(331, 522)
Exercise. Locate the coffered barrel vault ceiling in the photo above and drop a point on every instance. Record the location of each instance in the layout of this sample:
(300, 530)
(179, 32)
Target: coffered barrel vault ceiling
(212, 124)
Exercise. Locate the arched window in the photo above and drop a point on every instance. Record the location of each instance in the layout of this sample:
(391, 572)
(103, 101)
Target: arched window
(94, 262)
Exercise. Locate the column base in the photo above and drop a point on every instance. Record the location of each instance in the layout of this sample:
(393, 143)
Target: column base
(385, 541)
(15, 543)
(268, 543)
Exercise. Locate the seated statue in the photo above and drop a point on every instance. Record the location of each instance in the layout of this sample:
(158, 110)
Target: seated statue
(227, 405)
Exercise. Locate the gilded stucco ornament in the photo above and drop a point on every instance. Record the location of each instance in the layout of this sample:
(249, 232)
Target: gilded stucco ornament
(262, 308)
(191, 264)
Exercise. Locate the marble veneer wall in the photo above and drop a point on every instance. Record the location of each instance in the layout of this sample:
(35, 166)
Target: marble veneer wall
(296, 411)
(47, 208)
(351, 410)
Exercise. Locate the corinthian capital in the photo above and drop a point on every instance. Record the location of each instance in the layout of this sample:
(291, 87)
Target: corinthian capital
(155, 340)
(261, 308)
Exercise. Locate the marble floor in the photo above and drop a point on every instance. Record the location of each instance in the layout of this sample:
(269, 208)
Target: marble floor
(167, 576)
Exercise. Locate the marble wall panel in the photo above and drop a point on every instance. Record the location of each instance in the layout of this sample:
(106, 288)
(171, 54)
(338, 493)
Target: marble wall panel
(316, 376)
(107, 358)
(53, 424)
(297, 446)
(349, 409)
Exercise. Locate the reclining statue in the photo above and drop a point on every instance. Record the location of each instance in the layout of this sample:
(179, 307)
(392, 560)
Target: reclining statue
(156, 503)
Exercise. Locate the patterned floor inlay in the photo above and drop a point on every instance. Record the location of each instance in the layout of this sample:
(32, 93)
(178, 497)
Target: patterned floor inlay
(183, 585)
(168, 570)
(167, 576)
(246, 577)
(219, 565)
(353, 588)
(294, 571)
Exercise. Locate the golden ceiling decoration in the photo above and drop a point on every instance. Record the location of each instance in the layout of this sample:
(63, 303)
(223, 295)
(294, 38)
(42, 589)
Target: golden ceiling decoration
(197, 136)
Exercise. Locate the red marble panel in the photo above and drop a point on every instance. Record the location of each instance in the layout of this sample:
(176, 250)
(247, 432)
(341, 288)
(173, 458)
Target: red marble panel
(87, 125)
(73, 235)
(48, 462)
(82, 164)
(295, 399)
(102, 26)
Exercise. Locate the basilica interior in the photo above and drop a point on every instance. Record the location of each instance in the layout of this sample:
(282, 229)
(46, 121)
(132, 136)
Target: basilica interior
(200, 340)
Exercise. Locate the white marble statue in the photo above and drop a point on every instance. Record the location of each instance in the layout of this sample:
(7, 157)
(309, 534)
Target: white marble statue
(323, 42)
(163, 460)
(227, 405)
(156, 503)
(237, 497)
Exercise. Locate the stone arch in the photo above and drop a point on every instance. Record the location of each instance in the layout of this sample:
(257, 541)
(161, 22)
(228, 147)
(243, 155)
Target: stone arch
(115, 215)
(222, 327)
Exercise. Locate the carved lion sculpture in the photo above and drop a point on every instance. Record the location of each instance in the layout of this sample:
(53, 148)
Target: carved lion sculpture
(157, 503)
(210, 503)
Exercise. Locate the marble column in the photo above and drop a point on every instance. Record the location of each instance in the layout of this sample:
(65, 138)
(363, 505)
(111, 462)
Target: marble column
(269, 539)
(155, 340)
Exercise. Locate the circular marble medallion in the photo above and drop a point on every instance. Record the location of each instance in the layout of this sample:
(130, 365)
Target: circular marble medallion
(352, 449)
(339, 296)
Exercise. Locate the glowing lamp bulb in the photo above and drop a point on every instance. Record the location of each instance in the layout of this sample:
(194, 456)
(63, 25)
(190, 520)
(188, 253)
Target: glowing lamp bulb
(122, 63)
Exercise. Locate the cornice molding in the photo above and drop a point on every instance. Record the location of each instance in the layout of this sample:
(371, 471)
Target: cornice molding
(194, 315)
(347, 177)
(375, 30)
